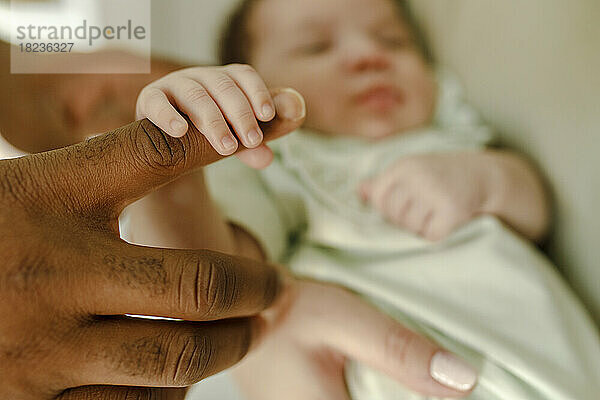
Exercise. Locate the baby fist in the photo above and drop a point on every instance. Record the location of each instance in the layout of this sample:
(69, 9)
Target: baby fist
(430, 195)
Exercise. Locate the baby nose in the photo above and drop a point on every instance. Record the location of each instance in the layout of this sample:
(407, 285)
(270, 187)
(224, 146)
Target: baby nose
(363, 53)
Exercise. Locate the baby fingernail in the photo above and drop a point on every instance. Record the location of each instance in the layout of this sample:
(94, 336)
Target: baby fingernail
(452, 372)
(290, 104)
(228, 144)
(267, 111)
(254, 137)
(177, 127)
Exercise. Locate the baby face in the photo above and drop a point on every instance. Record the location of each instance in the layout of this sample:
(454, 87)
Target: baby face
(355, 62)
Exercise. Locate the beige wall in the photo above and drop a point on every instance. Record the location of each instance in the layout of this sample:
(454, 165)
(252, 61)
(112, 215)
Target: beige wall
(532, 67)
(186, 29)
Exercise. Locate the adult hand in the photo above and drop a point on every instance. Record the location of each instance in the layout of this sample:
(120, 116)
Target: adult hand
(66, 279)
(322, 326)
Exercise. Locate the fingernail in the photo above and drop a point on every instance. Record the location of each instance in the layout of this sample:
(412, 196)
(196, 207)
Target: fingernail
(267, 111)
(290, 104)
(254, 137)
(228, 144)
(452, 372)
(178, 127)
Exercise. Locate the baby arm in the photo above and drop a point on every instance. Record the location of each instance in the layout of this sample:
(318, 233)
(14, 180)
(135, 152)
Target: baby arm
(433, 194)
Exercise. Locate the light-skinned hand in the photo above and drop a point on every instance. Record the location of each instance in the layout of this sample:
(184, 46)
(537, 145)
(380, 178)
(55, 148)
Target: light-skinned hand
(321, 326)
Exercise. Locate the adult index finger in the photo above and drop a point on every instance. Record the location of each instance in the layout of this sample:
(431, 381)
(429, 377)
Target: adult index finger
(101, 176)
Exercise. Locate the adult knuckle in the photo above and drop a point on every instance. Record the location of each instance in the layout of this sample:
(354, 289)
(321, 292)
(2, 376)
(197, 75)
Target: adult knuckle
(187, 292)
(216, 286)
(202, 288)
(157, 150)
(192, 360)
(397, 344)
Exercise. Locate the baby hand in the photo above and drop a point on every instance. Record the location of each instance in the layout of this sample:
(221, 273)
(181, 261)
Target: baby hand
(430, 195)
(224, 103)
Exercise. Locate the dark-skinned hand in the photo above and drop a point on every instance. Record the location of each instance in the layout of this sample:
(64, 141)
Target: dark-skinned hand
(67, 280)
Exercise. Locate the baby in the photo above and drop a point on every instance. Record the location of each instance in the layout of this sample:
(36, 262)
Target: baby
(388, 190)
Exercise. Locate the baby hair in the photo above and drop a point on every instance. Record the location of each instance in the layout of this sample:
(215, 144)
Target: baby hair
(236, 45)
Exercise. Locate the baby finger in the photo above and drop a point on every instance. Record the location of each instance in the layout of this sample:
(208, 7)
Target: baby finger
(195, 101)
(255, 89)
(235, 107)
(154, 104)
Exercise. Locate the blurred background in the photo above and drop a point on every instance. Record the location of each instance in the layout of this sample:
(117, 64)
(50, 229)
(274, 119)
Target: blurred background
(531, 68)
